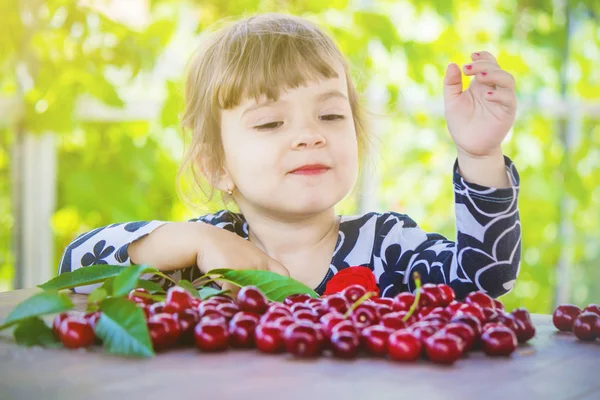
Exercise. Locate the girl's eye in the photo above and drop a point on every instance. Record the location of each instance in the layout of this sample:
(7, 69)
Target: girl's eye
(332, 117)
(270, 125)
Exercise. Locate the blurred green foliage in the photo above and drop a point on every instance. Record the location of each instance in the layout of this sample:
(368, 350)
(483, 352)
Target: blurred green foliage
(54, 52)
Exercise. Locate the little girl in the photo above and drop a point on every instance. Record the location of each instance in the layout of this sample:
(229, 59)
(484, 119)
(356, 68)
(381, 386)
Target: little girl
(277, 128)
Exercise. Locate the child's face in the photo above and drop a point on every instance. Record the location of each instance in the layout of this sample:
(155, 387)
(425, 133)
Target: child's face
(263, 144)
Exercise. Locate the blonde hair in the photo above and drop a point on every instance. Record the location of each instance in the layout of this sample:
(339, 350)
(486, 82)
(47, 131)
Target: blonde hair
(257, 56)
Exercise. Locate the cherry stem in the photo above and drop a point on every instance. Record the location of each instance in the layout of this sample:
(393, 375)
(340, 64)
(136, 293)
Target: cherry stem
(167, 277)
(155, 297)
(200, 283)
(415, 303)
(357, 303)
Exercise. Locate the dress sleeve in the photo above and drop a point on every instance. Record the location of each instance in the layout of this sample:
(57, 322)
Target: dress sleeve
(104, 245)
(485, 257)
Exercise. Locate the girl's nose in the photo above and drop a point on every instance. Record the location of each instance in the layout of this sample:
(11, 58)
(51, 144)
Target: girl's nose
(309, 139)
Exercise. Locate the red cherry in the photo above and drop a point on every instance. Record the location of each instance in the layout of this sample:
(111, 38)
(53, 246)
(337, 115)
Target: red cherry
(228, 310)
(284, 322)
(423, 331)
(279, 307)
(344, 344)
(343, 326)
(208, 308)
(498, 305)
(442, 312)
(336, 302)
(453, 307)
(428, 298)
(595, 308)
(329, 320)
(251, 299)
(403, 301)
(157, 308)
(564, 316)
(164, 330)
(196, 302)
(187, 320)
(499, 341)
(489, 313)
(241, 330)
(92, 318)
(364, 315)
(403, 345)
(375, 338)
(302, 340)
(306, 315)
(394, 320)
(353, 293)
(584, 326)
(424, 311)
(271, 316)
(269, 338)
(134, 296)
(472, 309)
(470, 320)
(299, 307)
(507, 320)
(480, 299)
(444, 348)
(220, 299)
(211, 335)
(448, 295)
(75, 332)
(382, 301)
(56, 322)
(526, 328)
(177, 300)
(296, 298)
(464, 331)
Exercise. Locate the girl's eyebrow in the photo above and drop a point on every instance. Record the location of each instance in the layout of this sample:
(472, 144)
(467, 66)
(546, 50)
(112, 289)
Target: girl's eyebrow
(321, 97)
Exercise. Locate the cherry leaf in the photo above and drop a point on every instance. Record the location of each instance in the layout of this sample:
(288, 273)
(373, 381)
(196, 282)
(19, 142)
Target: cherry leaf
(38, 304)
(275, 287)
(82, 276)
(122, 328)
(34, 332)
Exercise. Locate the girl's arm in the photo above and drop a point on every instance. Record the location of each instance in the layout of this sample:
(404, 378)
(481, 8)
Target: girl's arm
(166, 246)
(486, 255)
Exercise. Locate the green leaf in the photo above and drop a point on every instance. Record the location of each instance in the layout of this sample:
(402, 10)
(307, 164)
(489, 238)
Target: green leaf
(208, 292)
(187, 285)
(127, 280)
(122, 328)
(82, 276)
(38, 304)
(34, 332)
(97, 295)
(108, 284)
(276, 287)
(151, 287)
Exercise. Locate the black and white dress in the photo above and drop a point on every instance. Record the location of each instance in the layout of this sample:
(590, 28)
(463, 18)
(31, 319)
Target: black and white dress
(486, 255)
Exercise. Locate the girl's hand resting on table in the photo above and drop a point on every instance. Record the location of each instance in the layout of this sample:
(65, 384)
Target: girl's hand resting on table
(223, 249)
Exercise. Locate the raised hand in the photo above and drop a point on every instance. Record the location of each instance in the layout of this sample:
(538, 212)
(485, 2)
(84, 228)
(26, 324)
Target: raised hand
(479, 117)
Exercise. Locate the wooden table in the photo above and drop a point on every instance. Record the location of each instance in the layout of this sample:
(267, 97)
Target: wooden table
(552, 366)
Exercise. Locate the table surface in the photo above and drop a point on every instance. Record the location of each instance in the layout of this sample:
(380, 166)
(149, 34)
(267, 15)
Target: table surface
(552, 365)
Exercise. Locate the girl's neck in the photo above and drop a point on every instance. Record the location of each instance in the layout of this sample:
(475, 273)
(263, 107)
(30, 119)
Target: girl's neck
(285, 239)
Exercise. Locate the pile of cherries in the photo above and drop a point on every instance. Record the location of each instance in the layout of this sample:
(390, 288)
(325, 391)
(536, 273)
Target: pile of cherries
(440, 328)
(584, 324)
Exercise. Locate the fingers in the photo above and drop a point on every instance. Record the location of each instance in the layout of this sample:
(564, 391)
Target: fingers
(452, 81)
(499, 78)
(484, 55)
(504, 96)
